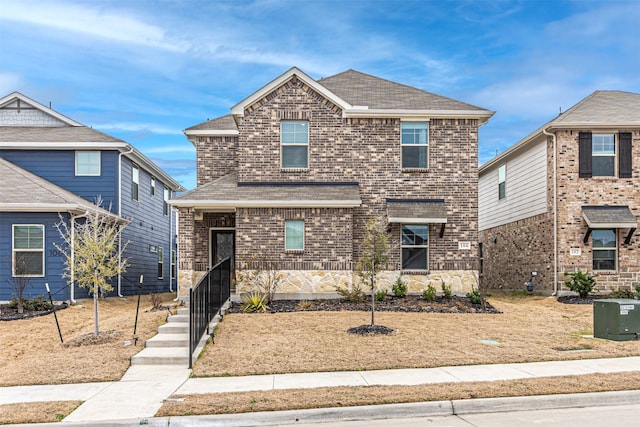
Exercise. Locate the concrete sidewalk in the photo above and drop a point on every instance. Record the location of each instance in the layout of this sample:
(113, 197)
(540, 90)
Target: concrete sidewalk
(141, 391)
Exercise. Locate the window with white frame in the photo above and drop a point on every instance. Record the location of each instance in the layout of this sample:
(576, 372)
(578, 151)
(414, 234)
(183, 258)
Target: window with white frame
(604, 245)
(165, 202)
(28, 250)
(415, 145)
(415, 246)
(87, 163)
(603, 150)
(294, 139)
(502, 182)
(173, 264)
(135, 181)
(160, 263)
(153, 186)
(294, 235)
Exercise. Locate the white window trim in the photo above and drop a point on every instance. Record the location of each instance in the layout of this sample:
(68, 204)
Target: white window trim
(172, 267)
(135, 167)
(414, 246)
(294, 144)
(416, 145)
(166, 196)
(614, 155)
(161, 262)
(503, 181)
(615, 257)
(303, 235)
(99, 163)
(153, 185)
(14, 250)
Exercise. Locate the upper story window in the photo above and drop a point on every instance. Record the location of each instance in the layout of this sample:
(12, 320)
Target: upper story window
(294, 138)
(598, 153)
(415, 144)
(165, 202)
(28, 250)
(135, 181)
(415, 246)
(153, 186)
(294, 235)
(502, 182)
(87, 163)
(604, 246)
(603, 151)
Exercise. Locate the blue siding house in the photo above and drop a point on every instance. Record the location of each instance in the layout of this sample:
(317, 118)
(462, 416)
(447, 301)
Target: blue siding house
(53, 166)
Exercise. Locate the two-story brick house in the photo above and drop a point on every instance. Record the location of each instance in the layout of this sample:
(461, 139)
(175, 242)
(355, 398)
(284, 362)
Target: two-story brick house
(295, 171)
(53, 166)
(566, 198)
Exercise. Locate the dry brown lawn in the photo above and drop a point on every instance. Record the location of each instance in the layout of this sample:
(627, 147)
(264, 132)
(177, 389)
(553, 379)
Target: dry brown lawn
(530, 328)
(277, 400)
(31, 352)
(37, 412)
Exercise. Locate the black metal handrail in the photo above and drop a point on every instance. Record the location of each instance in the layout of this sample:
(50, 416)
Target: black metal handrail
(205, 300)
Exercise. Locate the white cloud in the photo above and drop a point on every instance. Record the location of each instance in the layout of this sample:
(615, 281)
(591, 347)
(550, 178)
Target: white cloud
(169, 149)
(91, 21)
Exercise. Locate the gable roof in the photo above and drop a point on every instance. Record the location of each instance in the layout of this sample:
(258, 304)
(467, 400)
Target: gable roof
(18, 98)
(37, 194)
(68, 134)
(358, 95)
(603, 109)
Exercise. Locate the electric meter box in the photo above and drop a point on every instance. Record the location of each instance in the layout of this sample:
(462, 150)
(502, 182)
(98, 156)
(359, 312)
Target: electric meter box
(616, 319)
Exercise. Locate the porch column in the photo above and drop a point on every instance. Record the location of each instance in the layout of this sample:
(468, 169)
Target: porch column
(186, 237)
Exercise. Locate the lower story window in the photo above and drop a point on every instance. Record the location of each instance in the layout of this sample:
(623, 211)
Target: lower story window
(604, 247)
(294, 235)
(160, 263)
(28, 250)
(415, 246)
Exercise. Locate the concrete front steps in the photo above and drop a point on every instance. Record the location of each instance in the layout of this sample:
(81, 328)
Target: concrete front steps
(170, 346)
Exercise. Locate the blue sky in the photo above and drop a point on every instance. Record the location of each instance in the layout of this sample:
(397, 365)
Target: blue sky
(144, 70)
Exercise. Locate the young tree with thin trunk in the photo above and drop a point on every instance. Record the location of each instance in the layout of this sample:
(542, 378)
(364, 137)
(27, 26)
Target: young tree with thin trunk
(92, 253)
(375, 253)
(20, 280)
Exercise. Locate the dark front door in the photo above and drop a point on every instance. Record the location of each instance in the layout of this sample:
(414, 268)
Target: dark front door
(222, 246)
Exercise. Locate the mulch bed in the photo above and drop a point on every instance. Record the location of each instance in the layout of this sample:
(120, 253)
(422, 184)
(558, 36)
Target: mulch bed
(7, 313)
(573, 299)
(407, 304)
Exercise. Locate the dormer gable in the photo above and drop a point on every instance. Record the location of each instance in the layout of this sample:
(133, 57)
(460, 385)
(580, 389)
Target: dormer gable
(19, 110)
(238, 110)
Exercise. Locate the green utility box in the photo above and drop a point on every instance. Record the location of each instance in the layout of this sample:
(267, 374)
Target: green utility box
(616, 319)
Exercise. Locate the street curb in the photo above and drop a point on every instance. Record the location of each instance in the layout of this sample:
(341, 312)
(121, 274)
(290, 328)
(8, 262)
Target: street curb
(380, 412)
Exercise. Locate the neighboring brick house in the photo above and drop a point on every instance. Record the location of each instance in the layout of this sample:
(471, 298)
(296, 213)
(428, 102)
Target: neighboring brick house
(566, 198)
(295, 171)
(53, 166)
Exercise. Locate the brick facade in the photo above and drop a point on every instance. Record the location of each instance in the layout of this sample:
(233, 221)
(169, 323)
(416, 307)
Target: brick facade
(366, 151)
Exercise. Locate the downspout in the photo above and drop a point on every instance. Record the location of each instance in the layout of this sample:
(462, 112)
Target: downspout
(120, 215)
(72, 288)
(555, 212)
(170, 242)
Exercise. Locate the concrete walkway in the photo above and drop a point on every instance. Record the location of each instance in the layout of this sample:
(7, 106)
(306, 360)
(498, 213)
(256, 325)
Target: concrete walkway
(141, 391)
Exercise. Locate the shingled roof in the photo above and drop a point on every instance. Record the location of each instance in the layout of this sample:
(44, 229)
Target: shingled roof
(37, 194)
(220, 123)
(613, 107)
(360, 89)
(54, 134)
(227, 192)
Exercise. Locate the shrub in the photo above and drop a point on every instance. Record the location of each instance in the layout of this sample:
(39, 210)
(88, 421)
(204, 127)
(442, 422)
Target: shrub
(446, 291)
(580, 282)
(254, 302)
(380, 295)
(399, 288)
(156, 301)
(623, 293)
(638, 289)
(34, 304)
(355, 294)
(305, 305)
(429, 294)
(474, 296)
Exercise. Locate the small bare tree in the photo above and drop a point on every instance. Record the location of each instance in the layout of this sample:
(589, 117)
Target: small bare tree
(20, 280)
(91, 251)
(375, 253)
